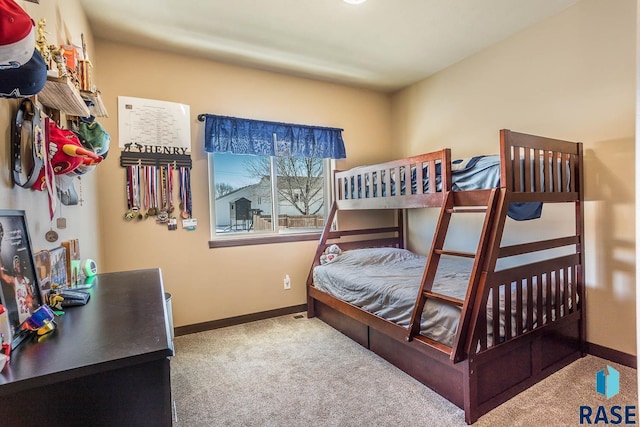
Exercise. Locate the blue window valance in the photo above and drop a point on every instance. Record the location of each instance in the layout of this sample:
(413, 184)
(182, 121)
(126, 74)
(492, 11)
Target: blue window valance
(245, 136)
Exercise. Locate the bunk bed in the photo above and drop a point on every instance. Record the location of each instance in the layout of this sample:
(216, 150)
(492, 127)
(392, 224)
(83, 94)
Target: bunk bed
(480, 334)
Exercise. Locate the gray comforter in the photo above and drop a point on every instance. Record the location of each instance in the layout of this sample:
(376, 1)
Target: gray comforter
(385, 282)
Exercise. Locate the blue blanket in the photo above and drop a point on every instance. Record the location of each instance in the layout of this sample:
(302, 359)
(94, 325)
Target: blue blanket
(484, 172)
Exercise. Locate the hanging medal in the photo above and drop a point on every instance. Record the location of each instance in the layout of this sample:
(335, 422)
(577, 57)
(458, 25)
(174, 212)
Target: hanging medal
(61, 222)
(128, 215)
(189, 198)
(170, 189)
(133, 193)
(181, 187)
(185, 193)
(41, 136)
(163, 215)
(153, 200)
(172, 222)
(145, 186)
(137, 191)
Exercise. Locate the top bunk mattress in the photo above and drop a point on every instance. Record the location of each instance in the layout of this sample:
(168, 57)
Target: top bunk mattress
(475, 173)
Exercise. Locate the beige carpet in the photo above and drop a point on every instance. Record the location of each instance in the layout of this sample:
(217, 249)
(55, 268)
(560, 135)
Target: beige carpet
(301, 372)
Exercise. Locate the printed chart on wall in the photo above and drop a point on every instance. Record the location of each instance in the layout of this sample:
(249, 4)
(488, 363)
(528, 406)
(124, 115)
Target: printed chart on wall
(151, 123)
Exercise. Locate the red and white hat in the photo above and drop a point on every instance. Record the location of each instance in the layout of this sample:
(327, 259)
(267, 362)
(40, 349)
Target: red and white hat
(17, 35)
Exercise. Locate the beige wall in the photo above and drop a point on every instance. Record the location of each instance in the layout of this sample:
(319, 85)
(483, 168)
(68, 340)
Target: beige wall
(570, 77)
(64, 19)
(209, 284)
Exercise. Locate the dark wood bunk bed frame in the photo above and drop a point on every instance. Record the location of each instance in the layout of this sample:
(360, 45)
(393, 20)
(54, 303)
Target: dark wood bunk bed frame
(475, 373)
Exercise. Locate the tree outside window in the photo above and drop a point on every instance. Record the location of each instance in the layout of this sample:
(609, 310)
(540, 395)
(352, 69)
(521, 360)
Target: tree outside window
(245, 186)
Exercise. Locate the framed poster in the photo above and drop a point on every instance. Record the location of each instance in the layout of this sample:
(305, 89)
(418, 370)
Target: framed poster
(19, 286)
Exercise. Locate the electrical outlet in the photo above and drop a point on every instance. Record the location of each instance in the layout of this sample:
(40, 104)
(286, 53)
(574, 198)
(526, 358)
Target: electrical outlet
(287, 282)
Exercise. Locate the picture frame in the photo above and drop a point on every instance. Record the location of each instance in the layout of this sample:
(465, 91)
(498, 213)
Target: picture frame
(43, 270)
(59, 273)
(19, 283)
(72, 248)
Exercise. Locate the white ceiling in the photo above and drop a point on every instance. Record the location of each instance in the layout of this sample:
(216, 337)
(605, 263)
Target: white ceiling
(381, 44)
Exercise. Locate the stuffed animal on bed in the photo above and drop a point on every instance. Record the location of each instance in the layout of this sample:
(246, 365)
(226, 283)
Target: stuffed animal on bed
(330, 254)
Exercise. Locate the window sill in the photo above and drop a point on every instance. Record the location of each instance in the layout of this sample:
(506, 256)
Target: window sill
(263, 240)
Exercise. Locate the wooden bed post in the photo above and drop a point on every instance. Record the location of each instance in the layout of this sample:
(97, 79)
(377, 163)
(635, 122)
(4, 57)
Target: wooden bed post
(400, 221)
(506, 169)
(316, 258)
(470, 386)
(580, 270)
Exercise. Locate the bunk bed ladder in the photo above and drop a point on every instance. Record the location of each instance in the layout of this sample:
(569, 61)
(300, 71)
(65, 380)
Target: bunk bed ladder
(437, 249)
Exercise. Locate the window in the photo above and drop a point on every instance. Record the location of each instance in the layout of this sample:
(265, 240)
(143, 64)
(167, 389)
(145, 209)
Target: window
(246, 186)
(269, 178)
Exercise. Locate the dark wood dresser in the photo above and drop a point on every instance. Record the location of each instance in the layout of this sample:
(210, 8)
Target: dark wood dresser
(106, 364)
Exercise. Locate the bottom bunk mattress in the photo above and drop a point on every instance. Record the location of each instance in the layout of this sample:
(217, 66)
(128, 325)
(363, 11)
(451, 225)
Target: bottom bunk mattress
(386, 281)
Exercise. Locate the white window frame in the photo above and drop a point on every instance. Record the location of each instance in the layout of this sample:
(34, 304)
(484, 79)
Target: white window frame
(273, 236)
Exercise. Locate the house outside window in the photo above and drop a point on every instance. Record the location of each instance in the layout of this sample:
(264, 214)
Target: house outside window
(246, 186)
(268, 178)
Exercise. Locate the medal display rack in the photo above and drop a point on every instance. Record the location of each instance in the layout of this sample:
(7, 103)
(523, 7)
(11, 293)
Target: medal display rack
(150, 179)
(132, 158)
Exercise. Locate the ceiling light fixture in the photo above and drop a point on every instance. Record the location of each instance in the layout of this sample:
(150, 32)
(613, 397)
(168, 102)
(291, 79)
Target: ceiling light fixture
(355, 1)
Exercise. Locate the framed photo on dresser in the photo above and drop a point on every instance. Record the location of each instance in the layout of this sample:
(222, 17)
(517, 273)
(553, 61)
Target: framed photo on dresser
(59, 267)
(43, 270)
(19, 285)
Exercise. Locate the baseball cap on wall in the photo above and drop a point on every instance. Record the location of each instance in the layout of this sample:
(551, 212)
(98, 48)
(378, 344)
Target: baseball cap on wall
(94, 136)
(17, 35)
(23, 71)
(24, 81)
